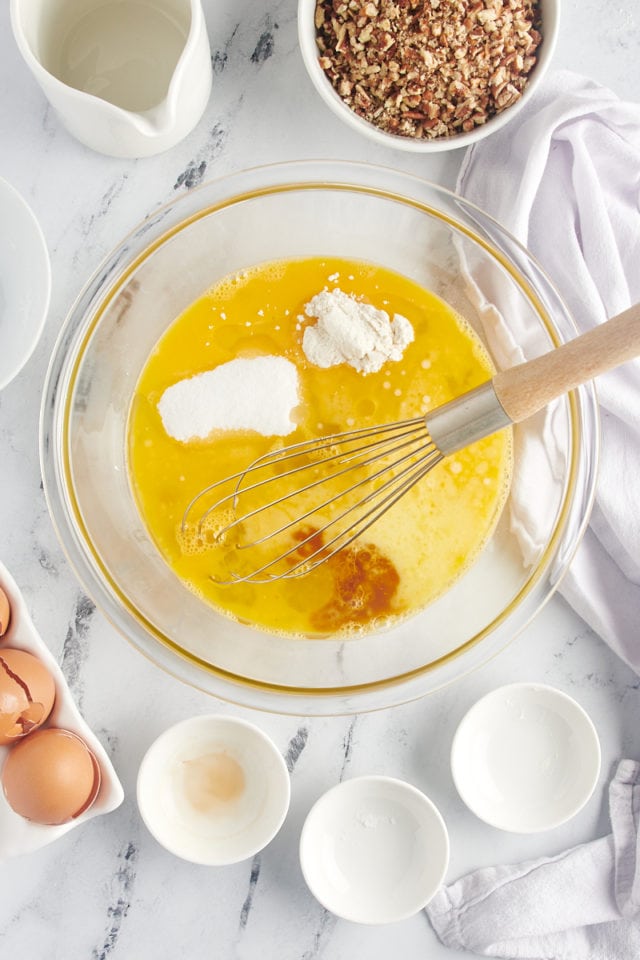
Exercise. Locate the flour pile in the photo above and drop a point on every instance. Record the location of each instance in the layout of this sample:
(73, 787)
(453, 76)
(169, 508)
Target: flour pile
(349, 331)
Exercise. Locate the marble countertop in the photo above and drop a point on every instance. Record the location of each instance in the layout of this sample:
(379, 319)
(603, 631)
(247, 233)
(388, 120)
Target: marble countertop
(107, 889)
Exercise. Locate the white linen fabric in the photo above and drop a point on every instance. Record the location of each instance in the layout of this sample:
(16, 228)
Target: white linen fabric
(564, 178)
(580, 905)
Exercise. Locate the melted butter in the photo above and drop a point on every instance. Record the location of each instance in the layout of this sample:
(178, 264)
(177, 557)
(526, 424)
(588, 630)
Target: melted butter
(211, 782)
(414, 552)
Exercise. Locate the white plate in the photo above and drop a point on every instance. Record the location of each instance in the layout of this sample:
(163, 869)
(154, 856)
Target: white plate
(213, 789)
(25, 282)
(18, 835)
(525, 758)
(374, 850)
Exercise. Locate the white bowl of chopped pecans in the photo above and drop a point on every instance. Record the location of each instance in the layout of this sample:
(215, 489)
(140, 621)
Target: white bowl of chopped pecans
(427, 75)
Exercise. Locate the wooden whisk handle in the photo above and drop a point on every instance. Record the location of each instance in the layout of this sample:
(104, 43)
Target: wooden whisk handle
(526, 388)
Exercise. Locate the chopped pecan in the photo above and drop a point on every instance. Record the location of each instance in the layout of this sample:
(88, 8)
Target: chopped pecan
(428, 68)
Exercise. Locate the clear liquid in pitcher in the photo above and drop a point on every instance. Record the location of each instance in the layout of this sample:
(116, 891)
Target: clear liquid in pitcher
(122, 51)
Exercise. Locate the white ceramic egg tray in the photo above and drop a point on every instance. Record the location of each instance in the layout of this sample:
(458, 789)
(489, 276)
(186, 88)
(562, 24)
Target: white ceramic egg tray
(18, 835)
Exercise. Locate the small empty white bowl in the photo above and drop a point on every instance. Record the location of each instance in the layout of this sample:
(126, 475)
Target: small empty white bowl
(213, 790)
(25, 282)
(525, 758)
(374, 850)
(550, 11)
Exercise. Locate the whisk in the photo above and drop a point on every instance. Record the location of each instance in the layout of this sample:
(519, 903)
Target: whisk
(374, 467)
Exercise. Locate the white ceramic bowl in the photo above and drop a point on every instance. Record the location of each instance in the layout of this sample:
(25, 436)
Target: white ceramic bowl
(525, 758)
(213, 790)
(374, 850)
(25, 282)
(307, 39)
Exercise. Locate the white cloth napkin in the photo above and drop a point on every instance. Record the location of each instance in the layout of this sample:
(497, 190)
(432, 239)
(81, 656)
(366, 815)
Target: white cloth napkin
(564, 177)
(580, 905)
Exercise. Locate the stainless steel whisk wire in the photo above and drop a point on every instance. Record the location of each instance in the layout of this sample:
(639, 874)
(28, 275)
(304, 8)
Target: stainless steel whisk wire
(409, 432)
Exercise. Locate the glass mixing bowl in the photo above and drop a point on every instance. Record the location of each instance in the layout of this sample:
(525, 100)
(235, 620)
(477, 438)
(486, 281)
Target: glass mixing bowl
(283, 211)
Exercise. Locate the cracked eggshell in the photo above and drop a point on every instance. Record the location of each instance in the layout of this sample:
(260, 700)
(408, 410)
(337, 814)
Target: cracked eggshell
(27, 693)
(51, 776)
(17, 834)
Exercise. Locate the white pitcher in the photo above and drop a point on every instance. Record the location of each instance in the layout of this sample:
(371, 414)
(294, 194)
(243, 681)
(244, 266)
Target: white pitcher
(129, 78)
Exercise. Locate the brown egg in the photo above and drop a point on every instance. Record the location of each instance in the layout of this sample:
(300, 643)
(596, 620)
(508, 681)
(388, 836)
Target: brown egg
(27, 692)
(5, 612)
(51, 777)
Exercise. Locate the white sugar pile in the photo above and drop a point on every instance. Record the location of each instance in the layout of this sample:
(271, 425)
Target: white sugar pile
(257, 393)
(349, 331)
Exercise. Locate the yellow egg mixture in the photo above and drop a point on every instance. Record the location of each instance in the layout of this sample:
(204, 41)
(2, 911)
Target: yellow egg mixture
(419, 547)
